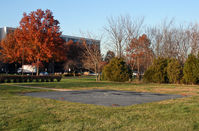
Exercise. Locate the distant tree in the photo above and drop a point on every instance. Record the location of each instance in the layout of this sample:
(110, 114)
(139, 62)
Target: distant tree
(39, 37)
(116, 70)
(171, 41)
(109, 56)
(191, 70)
(121, 30)
(74, 52)
(92, 58)
(174, 71)
(139, 53)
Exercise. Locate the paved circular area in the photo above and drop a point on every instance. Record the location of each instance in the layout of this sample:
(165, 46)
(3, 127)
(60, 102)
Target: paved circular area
(104, 97)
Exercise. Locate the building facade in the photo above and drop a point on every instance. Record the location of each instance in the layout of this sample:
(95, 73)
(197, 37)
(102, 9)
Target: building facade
(4, 31)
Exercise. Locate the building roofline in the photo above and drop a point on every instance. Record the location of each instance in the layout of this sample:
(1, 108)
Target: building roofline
(75, 37)
(69, 36)
(9, 27)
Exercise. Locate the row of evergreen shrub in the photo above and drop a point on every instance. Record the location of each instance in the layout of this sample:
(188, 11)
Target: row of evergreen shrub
(167, 70)
(30, 78)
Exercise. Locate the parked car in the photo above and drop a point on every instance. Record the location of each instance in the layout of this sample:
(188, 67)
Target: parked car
(19, 70)
(93, 74)
(43, 73)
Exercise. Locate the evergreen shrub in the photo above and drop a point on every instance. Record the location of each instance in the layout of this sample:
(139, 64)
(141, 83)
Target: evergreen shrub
(174, 71)
(116, 70)
(191, 70)
(157, 72)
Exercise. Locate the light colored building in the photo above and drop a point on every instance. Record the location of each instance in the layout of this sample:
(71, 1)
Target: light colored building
(79, 39)
(4, 31)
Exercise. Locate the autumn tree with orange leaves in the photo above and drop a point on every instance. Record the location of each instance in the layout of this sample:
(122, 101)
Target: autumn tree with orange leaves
(139, 54)
(39, 38)
(10, 49)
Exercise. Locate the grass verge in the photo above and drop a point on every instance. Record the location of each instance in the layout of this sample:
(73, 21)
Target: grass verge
(82, 84)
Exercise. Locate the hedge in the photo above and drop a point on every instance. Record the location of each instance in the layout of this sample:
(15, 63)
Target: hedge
(30, 78)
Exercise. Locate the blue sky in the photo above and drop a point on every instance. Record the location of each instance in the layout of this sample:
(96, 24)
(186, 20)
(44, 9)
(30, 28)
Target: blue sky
(91, 15)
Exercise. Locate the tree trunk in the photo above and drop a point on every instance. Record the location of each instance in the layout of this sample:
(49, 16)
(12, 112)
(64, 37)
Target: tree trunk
(15, 67)
(99, 76)
(138, 66)
(37, 66)
(53, 67)
(96, 72)
(74, 73)
(22, 71)
(22, 67)
(37, 70)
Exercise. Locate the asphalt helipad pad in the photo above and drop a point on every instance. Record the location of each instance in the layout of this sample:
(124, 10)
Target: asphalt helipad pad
(104, 97)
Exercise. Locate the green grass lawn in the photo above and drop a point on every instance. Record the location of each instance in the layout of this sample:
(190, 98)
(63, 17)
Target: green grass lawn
(18, 112)
(83, 84)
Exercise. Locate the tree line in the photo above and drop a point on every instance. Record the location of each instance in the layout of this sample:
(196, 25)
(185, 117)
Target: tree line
(143, 47)
(38, 40)
(165, 40)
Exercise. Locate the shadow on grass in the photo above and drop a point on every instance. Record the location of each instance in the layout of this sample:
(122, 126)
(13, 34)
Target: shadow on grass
(13, 89)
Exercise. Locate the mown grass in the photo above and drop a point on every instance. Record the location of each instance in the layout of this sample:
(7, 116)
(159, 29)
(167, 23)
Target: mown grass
(18, 112)
(82, 84)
